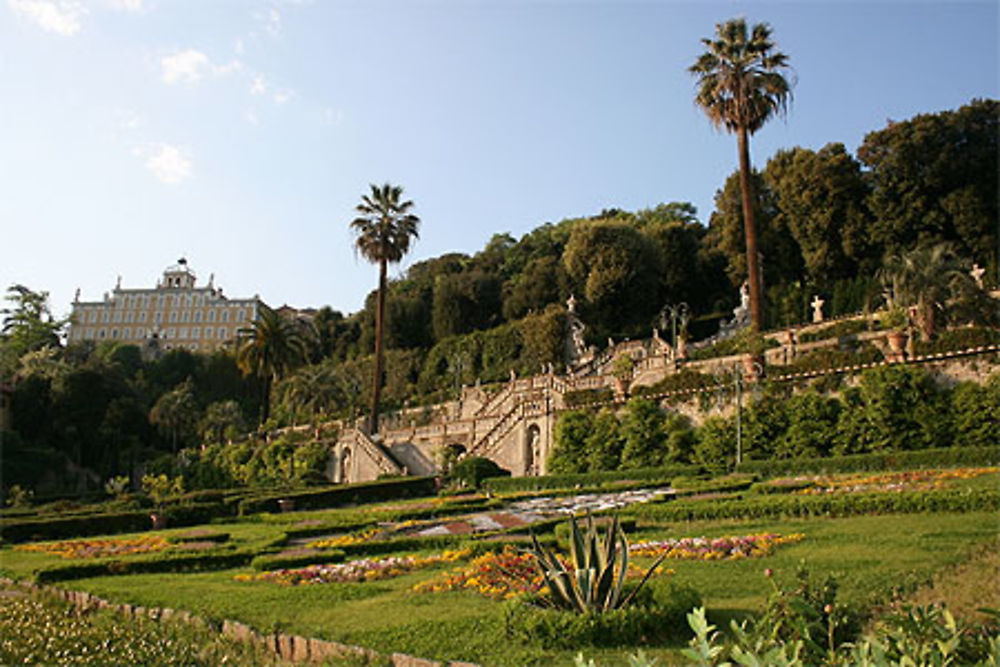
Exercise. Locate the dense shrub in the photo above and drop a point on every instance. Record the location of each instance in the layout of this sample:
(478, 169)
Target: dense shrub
(643, 431)
(472, 470)
(569, 451)
(657, 617)
(893, 408)
(603, 446)
(976, 410)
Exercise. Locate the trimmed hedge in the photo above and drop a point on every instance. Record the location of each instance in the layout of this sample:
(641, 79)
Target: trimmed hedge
(951, 457)
(164, 563)
(303, 558)
(342, 494)
(589, 479)
(685, 486)
(107, 523)
(199, 535)
(837, 505)
(57, 528)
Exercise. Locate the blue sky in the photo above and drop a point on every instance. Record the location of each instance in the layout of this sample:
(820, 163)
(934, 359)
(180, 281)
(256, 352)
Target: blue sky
(241, 133)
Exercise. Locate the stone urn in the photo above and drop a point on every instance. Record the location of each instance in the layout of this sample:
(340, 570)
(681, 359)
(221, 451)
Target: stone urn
(897, 345)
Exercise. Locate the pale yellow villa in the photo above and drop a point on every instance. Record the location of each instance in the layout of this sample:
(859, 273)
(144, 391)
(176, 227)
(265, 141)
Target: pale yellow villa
(176, 313)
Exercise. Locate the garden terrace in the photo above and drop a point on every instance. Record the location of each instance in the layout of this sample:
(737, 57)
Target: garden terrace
(402, 596)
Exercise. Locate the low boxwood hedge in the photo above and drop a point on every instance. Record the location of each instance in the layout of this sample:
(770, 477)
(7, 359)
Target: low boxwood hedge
(662, 475)
(847, 504)
(342, 494)
(106, 523)
(57, 528)
(167, 562)
(950, 457)
(297, 558)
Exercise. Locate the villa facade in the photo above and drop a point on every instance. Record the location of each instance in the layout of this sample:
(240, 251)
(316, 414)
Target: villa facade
(176, 313)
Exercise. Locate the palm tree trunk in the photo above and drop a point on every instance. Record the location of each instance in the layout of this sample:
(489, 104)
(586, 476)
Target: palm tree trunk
(750, 229)
(379, 324)
(265, 407)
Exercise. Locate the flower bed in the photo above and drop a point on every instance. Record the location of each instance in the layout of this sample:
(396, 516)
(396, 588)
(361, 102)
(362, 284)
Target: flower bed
(364, 569)
(345, 540)
(720, 548)
(495, 575)
(499, 575)
(100, 548)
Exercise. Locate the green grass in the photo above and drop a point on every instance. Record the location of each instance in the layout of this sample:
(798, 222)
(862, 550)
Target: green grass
(38, 629)
(869, 555)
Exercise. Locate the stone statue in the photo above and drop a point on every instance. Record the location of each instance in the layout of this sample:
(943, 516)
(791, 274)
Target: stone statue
(977, 275)
(817, 306)
(571, 304)
(741, 313)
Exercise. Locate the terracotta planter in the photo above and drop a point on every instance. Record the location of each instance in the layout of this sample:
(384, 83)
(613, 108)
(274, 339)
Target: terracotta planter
(897, 344)
(753, 367)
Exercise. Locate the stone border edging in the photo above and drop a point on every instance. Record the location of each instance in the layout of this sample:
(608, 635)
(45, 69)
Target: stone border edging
(291, 648)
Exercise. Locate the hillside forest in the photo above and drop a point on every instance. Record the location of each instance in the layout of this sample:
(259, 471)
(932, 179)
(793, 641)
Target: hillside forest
(829, 220)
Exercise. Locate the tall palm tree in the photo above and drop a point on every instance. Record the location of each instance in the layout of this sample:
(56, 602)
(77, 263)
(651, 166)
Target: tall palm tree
(315, 389)
(741, 86)
(270, 347)
(383, 230)
(175, 413)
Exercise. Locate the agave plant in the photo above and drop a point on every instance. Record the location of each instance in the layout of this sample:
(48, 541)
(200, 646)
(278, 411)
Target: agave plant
(596, 580)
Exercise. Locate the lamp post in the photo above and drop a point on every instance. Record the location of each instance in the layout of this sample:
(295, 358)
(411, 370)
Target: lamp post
(737, 375)
(738, 372)
(676, 312)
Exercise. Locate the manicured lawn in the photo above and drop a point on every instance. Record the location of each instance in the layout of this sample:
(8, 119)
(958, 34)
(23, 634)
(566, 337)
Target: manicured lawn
(868, 554)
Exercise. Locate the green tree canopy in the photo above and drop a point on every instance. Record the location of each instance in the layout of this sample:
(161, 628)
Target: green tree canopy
(933, 178)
